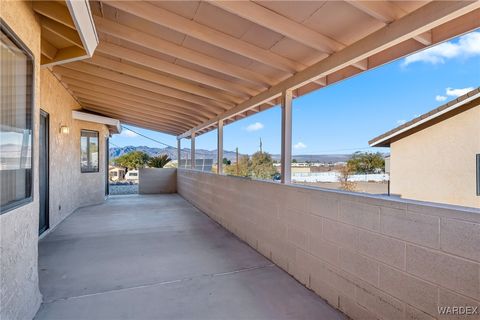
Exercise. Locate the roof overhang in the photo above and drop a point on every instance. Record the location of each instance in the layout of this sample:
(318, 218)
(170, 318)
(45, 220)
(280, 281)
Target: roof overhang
(68, 31)
(180, 67)
(113, 125)
(461, 104)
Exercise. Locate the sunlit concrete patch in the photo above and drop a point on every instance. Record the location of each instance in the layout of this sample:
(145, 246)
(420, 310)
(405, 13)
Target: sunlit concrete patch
(156, 256)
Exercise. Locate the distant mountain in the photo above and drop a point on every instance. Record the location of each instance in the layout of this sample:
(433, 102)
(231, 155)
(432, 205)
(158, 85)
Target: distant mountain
(116, 152)
(230, 155)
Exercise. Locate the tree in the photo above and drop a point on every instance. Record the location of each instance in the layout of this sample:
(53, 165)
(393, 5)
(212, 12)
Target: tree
(294, 161)
(243, 167)
(226, 162)
(346, 172)
(262, 165)
(366, 162)
(159, 161)
(132, 160)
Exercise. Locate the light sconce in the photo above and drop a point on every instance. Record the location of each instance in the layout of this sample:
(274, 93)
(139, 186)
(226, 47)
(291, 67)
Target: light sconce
(64, 130)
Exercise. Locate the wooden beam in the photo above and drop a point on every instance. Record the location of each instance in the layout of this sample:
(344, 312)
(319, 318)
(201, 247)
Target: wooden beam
(65, 55)
(199, 31)
(174, 69)
(219, 147)
(425, 18)
(286, 154)
(140, 106)
(54, 11)
(192, 151)
(387, 12)
(83, 67)
(120, 106)
(280, 24)
(106, 63)
(143, 39)
(160, 106)
(93, 106)
(77, 76)
(66, 33)
(48, 49)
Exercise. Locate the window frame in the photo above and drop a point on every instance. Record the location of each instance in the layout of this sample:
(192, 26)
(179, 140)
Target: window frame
(4, 28)
(82, 170)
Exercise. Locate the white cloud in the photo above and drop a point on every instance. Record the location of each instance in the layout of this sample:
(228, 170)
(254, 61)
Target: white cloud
(458, 92)
(254, 127)
(400, 122)
(440, 98)
(468, 45)
(299, 145)
(128, 133)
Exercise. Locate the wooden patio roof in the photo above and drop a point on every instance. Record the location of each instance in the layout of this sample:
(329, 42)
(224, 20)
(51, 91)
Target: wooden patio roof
(179, 67)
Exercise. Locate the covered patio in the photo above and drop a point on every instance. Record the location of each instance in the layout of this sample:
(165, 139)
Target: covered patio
(158, 257)
(185, 69)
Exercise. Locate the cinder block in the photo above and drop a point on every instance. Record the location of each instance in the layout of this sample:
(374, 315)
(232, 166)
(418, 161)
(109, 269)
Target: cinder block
(342, 234)
(457, 274)
(327, 292)
(364, 268)
(314, 225)
(384, 249)
(353, 310)
(416, 228)
(323, 249)
(460, 238)
(383, 305)
(418, 293)
(297, 237)
(360, 214)
(323, 206)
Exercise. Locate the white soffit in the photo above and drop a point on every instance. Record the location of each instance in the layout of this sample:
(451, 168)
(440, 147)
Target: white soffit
(84, 116)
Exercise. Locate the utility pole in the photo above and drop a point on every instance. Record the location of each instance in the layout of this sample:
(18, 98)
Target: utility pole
(236, 155)
(261, 150)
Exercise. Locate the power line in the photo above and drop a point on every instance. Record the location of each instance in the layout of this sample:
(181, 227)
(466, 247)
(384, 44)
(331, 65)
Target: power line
(160, 142)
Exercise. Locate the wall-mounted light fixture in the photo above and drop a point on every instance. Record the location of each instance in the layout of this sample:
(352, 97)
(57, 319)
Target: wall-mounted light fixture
(64, 129)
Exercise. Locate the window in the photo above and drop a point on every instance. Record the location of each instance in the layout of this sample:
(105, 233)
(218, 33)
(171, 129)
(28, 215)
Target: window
(16, 117)
(89, 151)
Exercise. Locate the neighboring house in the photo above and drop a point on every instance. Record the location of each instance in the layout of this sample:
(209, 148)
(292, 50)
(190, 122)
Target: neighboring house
(436, 157)
(132, 175)
(116, 173)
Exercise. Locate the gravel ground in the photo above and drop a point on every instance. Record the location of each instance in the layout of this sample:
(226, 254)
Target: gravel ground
(123, 189)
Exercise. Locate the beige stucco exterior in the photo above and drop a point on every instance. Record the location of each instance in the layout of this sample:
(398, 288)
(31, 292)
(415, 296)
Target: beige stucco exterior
(69, 189)
(437, 164)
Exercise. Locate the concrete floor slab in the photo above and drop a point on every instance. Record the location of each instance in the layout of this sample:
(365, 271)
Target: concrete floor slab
(158, 257)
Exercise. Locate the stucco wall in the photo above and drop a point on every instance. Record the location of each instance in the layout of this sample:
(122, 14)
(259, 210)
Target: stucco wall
(69, 188)
(19, 293)
(438, 163)
(370, 257)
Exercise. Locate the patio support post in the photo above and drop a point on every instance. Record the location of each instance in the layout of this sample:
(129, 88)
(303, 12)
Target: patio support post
(179, 151)
(286, 156)
(220, 147)
(192, 151)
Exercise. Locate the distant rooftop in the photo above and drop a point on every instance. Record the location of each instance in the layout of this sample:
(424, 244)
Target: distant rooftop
(448, 110)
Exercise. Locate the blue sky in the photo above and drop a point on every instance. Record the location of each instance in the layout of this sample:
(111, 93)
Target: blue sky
(341, 118)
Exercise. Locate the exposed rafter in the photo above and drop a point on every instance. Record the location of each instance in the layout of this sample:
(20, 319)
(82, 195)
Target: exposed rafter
(419, 21)
(194, 29)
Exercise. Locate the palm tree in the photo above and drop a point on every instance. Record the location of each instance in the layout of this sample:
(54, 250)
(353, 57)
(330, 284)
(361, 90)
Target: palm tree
(159, 161)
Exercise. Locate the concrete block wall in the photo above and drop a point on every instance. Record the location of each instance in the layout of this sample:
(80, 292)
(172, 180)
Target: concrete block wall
(370, 257)
(157, 180)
